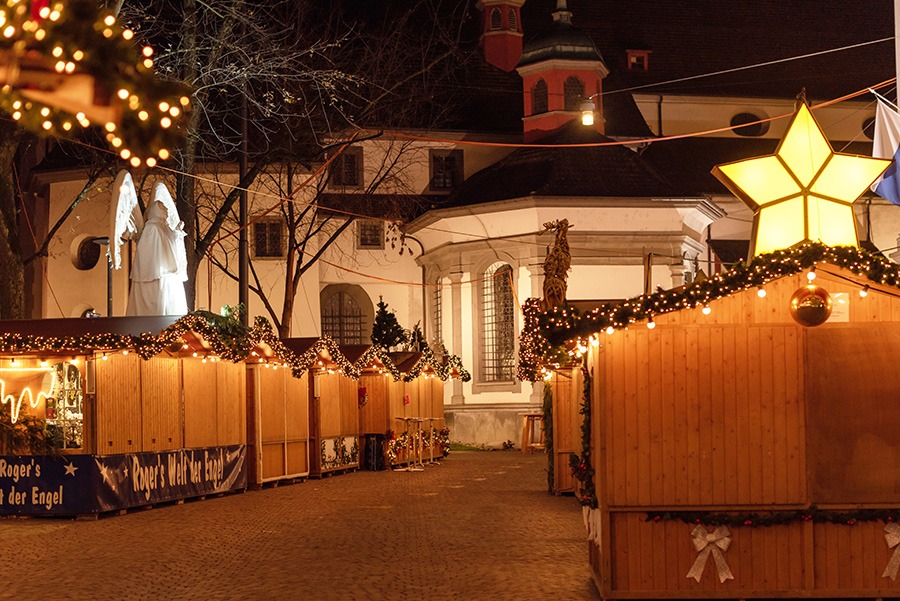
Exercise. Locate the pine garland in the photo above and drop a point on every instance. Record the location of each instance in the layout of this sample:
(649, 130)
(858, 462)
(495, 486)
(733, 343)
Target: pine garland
(545, 334)
(548, 437)
(777, 518)
(581, 464)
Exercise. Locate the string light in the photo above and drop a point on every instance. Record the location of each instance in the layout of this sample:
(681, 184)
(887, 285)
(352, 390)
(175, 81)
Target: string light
(761, 292)
(706, 310)
(864, 291)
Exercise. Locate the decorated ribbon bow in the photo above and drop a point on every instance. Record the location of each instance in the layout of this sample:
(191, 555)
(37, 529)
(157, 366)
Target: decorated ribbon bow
(892, 538)
(714, 542)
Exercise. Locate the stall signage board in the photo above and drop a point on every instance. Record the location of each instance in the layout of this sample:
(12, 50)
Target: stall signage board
(87, 484)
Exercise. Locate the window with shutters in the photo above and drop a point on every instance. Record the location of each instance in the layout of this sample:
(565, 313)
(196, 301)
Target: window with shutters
(495, 19)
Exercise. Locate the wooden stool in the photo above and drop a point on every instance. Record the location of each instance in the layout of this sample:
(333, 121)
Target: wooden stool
(529, 421)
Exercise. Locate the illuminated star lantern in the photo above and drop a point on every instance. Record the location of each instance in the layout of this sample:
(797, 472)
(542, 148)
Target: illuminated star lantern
(805, 191)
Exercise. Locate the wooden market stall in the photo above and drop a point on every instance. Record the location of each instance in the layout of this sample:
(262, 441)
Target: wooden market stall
(277, 416)
(731, 430)
(333, 405)
(111, 413)
(565, 386)
(404, 400)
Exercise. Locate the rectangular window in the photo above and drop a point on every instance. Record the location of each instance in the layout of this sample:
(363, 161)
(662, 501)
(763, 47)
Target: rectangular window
(370, 234)
(268, 239)
(346, 169)
(446, 169)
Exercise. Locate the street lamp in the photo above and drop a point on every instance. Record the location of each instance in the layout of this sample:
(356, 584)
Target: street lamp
(587, 111)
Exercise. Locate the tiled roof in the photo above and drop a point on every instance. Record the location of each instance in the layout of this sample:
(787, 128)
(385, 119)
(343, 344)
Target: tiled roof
(597, 171)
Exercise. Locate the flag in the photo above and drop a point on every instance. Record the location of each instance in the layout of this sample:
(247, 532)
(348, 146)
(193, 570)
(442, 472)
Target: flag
(886, 145)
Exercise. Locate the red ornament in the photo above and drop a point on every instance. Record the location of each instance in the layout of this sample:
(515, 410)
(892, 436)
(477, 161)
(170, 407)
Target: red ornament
(747, 523)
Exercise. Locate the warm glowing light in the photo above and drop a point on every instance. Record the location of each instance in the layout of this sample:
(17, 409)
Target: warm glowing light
(811, 274)
(610, 330)
(651, 324)
(135, 162)
(57, 51)
(147, 51)
(163, 153)
(122, 93)
(587, 112)
(143, 115)
(164, 106)
(706, 310)
(864, 291)
(127, 34)
(804, 191)
(78, 55)
(761, 292)
(151, 162)
(109, 20)
(15, 405)
(110, 126)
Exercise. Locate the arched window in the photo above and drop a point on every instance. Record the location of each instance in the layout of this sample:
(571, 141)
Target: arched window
(347, 314)
(513, 20)
(574, 93)
(539, 97)
(495, 19)
(498, 321)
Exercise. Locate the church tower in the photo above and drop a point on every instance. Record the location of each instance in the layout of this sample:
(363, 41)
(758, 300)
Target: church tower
(501, 32)
(561, 69)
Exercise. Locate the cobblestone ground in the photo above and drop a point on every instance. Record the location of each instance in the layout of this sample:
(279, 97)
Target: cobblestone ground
(479, 526)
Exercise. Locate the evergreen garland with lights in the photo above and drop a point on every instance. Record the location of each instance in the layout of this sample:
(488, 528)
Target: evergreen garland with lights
(66, 40)
(547, 409)
(776, 518)
(546, 332)
(581, 465)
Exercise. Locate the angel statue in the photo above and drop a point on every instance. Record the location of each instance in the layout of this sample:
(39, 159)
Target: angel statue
(159, 268)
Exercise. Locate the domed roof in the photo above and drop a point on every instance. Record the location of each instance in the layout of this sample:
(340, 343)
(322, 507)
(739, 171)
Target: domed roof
(561, 40)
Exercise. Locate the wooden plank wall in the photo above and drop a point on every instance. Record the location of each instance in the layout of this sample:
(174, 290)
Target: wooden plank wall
(566, 388)
(704, 416)
(329, 425)
(349, 396)
(374, 416)
(201, 405)
(297, 423)
(118, 408)
(272, 426)
(231, 415)
(161, 417)
(711, 412)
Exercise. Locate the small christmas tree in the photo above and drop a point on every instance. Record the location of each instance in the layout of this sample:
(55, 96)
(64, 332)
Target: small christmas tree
(416, 339)
(386, 331)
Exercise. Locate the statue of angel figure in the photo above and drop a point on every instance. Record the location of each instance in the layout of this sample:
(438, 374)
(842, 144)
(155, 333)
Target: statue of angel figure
(159, 268)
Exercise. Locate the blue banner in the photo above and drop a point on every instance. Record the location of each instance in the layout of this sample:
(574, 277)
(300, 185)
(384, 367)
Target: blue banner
(87, 484)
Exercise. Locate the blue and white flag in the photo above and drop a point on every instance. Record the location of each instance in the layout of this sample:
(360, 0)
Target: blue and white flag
(886, 145)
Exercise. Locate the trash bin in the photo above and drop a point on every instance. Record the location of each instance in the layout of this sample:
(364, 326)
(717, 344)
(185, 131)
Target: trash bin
(373, 454)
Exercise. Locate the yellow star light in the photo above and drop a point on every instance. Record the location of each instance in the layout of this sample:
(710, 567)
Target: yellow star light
(805, 191)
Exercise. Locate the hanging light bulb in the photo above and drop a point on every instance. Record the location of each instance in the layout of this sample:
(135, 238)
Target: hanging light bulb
(587, 112)
(761, 292)
(610, 330)
(811, 275)
(864, 291)
(651, 324)
(706, 310)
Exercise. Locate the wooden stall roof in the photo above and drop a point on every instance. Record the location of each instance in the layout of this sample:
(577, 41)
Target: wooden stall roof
(82, 326)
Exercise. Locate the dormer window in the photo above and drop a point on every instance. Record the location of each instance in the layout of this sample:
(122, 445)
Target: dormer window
(638, 60)
(539, 97)
(496, 19)
(574, 93)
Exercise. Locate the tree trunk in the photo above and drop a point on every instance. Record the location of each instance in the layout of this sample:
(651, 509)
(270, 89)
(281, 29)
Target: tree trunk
(12, 270)
(185, 198)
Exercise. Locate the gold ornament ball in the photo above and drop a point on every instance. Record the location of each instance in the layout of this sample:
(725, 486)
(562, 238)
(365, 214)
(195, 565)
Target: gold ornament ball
(811, 306)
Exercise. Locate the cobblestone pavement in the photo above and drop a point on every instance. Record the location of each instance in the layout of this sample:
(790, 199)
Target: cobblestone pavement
(479, 526)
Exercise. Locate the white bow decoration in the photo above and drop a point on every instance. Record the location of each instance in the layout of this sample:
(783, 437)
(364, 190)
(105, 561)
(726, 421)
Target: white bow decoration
(892, 538)
(715, 542)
